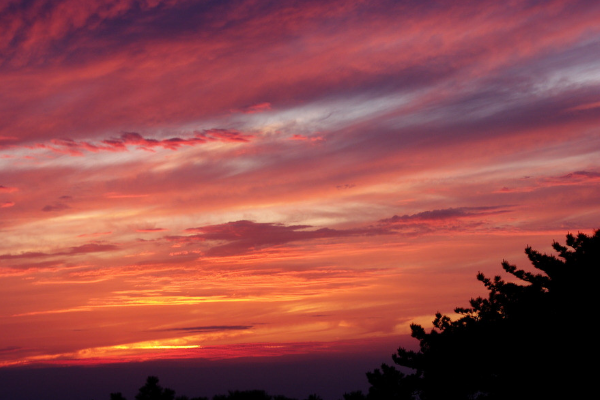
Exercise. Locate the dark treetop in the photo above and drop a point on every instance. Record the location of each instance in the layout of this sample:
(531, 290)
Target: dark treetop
(529, 339)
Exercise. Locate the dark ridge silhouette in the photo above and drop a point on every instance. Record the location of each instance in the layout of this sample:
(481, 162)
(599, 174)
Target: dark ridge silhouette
(521, 342)
(244, 395)
(153, 391)
(355, 395)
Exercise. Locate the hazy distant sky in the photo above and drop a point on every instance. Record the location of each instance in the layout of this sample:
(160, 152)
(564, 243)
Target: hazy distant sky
(217, 179)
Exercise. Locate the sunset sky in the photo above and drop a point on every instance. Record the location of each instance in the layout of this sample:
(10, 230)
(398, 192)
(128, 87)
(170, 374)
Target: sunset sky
(222, 179)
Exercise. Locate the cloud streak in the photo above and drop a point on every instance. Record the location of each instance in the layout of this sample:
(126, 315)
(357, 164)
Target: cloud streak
(446, 214)
(131, 139)
(201, 329)
(83, 249)
(246, 236)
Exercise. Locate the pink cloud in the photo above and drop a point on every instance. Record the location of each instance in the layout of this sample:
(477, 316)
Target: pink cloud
(365, 49)
(581, 176)
(571, 179)
(114, 195)
(4, 189)
(95, 234)
(224, 135)
(586, 106)
(151, 230)
(83, 249)
(258, 108)
(41, 22)
(441, 221)
(447, 214)
(127, 139)
(307, 138)
(55, 207)
(247, 236)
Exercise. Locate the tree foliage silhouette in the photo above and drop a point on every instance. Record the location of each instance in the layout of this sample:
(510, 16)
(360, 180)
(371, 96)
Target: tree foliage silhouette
(512, 344)
(153, 391)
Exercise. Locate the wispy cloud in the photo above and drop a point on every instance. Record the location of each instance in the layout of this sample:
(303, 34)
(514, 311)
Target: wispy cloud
(150, 230)
(4, 189)
(447, 213)
(83, 249)
(55, 207)
(245, 236)
(131, 139)
(200, 329)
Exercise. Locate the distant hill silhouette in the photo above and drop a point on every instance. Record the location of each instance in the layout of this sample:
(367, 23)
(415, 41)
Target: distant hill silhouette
(153, 391)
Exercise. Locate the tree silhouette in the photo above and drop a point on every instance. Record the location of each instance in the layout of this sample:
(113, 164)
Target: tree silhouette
(512, 344)
(153, 391)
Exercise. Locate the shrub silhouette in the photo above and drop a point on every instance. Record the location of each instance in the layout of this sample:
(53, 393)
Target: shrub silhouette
(512, 344)
(153, 391)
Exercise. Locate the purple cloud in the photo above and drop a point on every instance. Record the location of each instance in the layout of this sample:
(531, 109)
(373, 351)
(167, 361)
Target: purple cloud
(246, 236)
(446, 214)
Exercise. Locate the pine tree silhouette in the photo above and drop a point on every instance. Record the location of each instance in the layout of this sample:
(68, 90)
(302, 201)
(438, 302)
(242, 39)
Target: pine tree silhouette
(514, 344)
